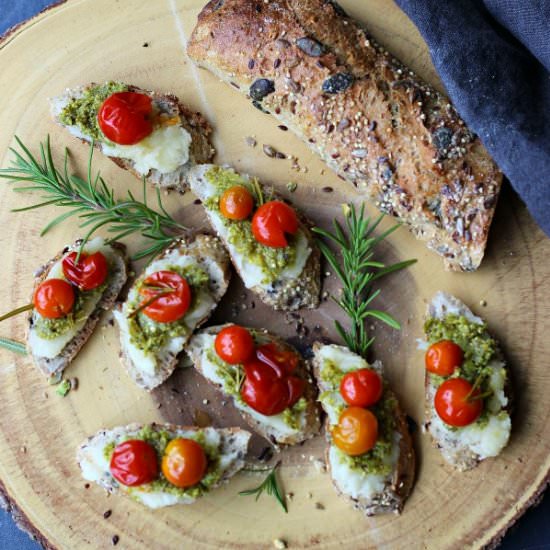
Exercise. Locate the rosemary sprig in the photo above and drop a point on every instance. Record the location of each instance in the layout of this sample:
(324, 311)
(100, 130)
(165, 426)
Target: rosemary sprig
(357, 271)
(270, 486)
(13, 345)
(90, 199)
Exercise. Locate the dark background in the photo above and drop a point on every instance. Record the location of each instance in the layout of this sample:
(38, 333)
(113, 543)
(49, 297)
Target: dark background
(530, 533)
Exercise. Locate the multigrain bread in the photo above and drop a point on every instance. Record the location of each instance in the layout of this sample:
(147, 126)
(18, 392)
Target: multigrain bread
(53, 355)
(274, 428)
(464, 448)
(149, 368)
(374, 122)
(226, 450)
(298, 284)
(370, 492)
(170, 112)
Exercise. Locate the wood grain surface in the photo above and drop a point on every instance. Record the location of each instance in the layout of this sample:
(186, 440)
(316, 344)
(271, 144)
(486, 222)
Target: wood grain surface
(143, 43)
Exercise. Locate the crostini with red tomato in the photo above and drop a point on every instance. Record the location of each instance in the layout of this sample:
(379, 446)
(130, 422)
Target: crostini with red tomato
(370, 455)
(152, 135)
(161, 465)
(174, 295)
(70, 293)
(267, 379)
(269, 241)
(468, 389)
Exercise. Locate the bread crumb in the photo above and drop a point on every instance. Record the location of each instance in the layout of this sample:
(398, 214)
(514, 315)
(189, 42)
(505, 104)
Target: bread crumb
(280, 544)
(250, 141)
(483, 303)
(319, 506)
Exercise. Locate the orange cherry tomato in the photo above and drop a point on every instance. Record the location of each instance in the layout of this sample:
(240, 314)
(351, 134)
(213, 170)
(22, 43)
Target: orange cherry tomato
(444, 357)
(361, 388)
(184, 462)
(456, 404)
(272, 222)
(134, 462)
(234, 345)
(124, 117)
(356, 431)
(54, 298)
(90, 271)
(170, 305)
(236, 203)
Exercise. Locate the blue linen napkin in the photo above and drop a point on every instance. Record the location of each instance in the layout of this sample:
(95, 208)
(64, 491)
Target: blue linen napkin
(493, 57)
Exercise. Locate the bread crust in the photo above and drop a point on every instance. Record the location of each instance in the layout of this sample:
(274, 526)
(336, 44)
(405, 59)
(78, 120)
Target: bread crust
(312, 422)
(200, 245)
(398, 489)
(200, 151)
(55, 366)
(375, 123)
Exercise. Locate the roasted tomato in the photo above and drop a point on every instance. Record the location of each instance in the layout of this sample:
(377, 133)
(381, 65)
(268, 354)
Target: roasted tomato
(457, 403)
(443, 357)
(272, 222)
(134, 462)
(234, 345)
(167, 295)
(283, 361)
(184, 462)
(361, 388)
(266, 392)
(124, 117)
(54, 298)
(356, 431)
(236, 203)
(90, 271)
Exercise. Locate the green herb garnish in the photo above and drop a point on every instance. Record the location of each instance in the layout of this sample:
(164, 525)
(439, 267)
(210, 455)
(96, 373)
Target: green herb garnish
(270, 486)
(13, 345)
(357, 271)
(91, 200)
(63, 388)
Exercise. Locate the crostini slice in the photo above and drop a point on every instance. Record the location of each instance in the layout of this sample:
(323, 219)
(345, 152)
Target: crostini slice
(448, 319)
(54, 342)
(286, 278)
(380, 480)
(150, 349)
(293, 425)
(225, 450)
(179, 137)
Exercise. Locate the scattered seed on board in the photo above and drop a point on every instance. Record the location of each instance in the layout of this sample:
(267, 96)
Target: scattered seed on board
(250, 141)
(107, 514)
(115, 540)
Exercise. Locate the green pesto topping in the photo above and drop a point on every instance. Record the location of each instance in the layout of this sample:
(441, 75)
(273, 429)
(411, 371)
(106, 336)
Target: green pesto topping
(49, 329)
(331, 374)
(271, 260)
(159, 439)
(150, 336)
(232, 375)
(291, 416)
(82, 111)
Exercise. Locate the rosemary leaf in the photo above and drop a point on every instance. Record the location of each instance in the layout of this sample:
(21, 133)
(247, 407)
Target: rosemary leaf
(13, 345)
(270, 486)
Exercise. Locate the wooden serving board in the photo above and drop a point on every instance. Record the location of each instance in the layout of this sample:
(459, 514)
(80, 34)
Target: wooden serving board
(143, 42)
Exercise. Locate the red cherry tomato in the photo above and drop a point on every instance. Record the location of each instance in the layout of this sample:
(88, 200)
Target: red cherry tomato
(284, 362)
(361, 388)
(267, 393)
(90, 271)
(171, 305)
(54, 298)
(456, 404)
(123, 117)
(443, 358)
(234, 345)
(236, 203)
(356, 431)
(271, 223)
(134, 462)
(184, 462)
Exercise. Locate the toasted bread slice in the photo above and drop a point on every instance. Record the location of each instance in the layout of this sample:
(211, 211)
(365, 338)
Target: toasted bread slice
(380, 480)
(465, 447)
(283, 283)
(225, 449)
(292, 426)
(53, 344)
(150, 350)
(179, 141)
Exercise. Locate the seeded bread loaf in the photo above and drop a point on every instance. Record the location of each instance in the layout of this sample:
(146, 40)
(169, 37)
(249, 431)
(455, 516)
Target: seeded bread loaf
(170, 112)
(375, 123)
(53, 362)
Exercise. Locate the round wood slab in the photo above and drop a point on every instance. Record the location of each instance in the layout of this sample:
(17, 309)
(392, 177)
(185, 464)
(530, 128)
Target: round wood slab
(143, 43)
